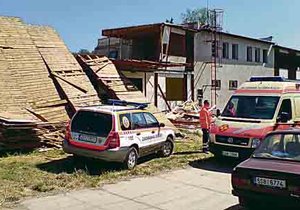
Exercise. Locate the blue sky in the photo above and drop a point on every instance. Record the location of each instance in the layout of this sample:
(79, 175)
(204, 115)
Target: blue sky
(80, 22)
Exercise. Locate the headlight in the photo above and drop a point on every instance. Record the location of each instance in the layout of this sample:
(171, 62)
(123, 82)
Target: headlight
(255, 142)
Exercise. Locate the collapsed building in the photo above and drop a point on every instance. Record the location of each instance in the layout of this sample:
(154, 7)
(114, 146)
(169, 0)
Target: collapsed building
(42, 85)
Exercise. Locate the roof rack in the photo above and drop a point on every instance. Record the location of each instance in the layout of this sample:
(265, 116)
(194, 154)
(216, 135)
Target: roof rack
(127, 103)
(267, 79)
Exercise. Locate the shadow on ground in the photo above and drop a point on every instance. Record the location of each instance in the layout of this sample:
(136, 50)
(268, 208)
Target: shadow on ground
(72, 164)
(213, 164)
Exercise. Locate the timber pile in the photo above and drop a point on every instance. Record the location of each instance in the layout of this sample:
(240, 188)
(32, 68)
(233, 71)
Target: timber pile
(110, 83)
(63, 67)
(27, 135)
(41, 85)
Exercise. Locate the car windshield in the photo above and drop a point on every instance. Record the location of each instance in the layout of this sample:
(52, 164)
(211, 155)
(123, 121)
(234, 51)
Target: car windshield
(253, 107)
(279, 146)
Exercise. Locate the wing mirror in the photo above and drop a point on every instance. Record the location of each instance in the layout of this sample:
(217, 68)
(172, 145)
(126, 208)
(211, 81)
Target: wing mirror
(218, 113)
(283, 117)
(162, 125)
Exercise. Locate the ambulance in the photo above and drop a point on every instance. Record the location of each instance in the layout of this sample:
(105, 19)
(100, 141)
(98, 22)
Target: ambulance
(260, 106)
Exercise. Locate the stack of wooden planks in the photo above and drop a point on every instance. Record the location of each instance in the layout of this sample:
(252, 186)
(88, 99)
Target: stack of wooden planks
(111, 83)
(41, 82)
(28, 135)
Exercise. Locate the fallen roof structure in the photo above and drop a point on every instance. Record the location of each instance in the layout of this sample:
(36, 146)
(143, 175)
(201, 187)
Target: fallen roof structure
(41, 84)
(111, 83)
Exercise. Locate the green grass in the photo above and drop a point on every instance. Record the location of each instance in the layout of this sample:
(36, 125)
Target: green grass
(54, 171)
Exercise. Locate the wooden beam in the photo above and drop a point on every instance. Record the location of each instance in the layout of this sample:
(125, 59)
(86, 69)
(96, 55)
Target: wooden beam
(69, 82)
(155, 88)
(192, 87)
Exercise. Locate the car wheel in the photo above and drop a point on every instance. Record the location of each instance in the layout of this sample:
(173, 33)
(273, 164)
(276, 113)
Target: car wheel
(167, 148)
(131, 159)
(246, 202)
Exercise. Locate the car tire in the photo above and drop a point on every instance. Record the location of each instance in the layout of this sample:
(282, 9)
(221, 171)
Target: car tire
(131, 159)
(167, 148)
(246, 202)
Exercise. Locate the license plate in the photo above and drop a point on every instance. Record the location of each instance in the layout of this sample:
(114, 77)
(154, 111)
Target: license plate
(276, 183)
(87, 138)
(230, 154)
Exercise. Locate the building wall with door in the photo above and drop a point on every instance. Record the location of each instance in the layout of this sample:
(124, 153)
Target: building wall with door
(238, 58)
(172, 87)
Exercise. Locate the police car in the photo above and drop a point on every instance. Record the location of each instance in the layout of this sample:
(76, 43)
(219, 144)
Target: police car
(120, 132)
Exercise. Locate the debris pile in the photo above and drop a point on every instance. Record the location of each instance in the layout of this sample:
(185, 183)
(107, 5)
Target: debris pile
(41, 85)
(185, 115)
(27, 135)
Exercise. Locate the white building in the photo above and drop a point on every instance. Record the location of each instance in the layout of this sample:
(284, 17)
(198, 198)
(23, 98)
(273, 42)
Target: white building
(182, 57)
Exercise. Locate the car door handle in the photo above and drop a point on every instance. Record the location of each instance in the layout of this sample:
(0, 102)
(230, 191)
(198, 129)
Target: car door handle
(138, 134)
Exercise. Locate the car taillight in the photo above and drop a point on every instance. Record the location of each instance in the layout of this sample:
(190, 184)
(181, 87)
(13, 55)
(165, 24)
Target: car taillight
(68, 131)
(237, 181)
(113, 140)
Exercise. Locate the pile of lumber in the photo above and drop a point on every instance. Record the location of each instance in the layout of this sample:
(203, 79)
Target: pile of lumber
(27, 135)
(41, 84)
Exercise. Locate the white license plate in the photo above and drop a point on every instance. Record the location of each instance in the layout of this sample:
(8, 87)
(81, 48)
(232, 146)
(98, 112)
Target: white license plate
(87, 138)
(270, 182)
(230, 154)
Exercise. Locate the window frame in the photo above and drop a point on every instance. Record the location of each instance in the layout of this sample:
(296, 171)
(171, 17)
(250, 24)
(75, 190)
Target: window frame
(133, 123)
(265, 56)
(249, 51)
(231, 87)
(153, 125)
(257, 55)
(218, 81)
(235, 52)
(225, 50)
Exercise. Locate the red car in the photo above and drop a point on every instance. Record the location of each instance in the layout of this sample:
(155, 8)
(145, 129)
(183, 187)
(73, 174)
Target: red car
(272, 174)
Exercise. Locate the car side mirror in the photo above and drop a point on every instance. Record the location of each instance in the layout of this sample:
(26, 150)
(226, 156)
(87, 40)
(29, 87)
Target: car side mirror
(218, 113)
(283, 117)
(162, 125)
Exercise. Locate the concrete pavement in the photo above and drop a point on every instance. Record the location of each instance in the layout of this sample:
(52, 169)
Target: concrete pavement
(191, 188)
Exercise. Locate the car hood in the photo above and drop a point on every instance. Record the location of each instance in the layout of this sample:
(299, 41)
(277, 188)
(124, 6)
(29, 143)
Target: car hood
(271, 165)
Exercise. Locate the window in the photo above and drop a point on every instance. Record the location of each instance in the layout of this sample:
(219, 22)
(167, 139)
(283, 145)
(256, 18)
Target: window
(96, 123)
(225, 50)
(257, 55)
(177, 45)
(265, 56)
(235, 51)
(125, 121)
(151, 120)
(138, 121)
(175, 89)
(138, 82)
(233, 84)
(280, 146)
(249, 54)
(216, 83)
(286, 107)
(252, 107)
(214, 49)
(113, 54)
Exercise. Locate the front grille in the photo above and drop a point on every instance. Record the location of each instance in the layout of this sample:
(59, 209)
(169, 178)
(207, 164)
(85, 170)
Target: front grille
(232, 140)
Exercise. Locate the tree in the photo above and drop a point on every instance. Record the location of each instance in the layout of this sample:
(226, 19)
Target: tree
(198, 15)
(84, 51)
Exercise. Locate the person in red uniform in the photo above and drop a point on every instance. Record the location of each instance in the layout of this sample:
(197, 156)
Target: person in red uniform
(205, 122)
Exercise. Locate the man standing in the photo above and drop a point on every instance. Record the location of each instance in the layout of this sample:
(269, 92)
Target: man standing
(205, 121)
